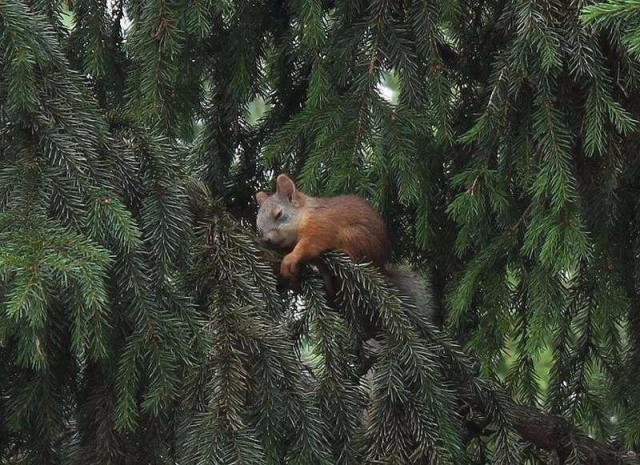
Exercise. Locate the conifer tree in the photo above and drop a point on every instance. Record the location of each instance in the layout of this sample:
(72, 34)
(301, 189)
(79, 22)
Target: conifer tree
(140, 322)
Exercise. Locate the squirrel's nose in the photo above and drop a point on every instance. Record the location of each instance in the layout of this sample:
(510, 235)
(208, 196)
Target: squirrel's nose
(265, 239)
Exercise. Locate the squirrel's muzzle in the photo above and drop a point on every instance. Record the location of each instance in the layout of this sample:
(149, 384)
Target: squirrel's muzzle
(265, 239)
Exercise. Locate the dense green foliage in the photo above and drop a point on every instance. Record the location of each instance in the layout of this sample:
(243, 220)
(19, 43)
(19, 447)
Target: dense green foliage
(141, 323)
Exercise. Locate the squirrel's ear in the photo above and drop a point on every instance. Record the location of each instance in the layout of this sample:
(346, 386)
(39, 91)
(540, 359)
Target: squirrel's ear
(261, 197)
(285, 188)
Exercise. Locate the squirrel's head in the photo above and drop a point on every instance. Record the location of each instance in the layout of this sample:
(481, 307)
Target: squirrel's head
(279, 214)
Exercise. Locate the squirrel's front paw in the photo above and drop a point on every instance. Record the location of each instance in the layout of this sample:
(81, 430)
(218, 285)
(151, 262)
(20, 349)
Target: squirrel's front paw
(288, 267)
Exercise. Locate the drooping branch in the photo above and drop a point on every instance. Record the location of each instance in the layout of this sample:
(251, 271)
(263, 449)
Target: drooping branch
(548, 432)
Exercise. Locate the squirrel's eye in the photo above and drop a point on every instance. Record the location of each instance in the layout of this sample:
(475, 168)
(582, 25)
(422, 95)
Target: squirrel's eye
(278, 214)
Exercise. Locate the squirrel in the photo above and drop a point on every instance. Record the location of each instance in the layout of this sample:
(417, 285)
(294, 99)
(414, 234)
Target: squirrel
(306, 226)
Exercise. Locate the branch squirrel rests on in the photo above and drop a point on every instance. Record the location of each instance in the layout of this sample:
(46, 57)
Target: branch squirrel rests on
(306, 226)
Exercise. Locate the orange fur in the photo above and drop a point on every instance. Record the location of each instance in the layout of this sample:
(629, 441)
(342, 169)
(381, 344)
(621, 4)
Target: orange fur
(345, 223)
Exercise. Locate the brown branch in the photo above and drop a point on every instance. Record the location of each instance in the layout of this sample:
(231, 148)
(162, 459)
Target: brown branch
(555, 433)
(551, 432)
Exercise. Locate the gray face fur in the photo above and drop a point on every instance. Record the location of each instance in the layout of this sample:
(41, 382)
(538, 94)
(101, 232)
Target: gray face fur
(279, 214)
(277, 222)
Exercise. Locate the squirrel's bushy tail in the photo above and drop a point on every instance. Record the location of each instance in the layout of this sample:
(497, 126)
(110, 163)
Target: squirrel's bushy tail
(412, 285)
